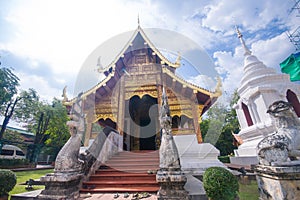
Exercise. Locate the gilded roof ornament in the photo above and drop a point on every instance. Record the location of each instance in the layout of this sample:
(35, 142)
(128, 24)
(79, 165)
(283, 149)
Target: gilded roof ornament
(240, 36)
(100, 67)
(178, 60)
(64, 95)
(218, 90)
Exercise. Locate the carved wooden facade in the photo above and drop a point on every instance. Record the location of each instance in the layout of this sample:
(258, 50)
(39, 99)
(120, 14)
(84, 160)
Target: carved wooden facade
(128, 98)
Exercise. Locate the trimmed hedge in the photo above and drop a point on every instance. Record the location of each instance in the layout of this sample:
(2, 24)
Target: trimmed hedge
(8, 180)
(13, 163)
(219, 183)
(224, 159)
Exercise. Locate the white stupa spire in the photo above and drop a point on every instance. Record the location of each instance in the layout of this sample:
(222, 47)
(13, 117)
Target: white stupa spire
(240, 36)
(253, 68)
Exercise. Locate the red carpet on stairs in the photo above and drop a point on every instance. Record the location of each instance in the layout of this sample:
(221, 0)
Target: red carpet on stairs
(127, 171)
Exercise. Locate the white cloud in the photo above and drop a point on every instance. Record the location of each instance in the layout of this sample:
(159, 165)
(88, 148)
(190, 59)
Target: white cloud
(273, 51)
(62, 34)
(230, 66)
(203, 81)
(254, 15)
(45, 91)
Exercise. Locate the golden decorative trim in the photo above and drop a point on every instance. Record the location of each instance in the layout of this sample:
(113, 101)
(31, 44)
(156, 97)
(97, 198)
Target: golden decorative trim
(183, 131)
(140, 91)
(183, 82)
(140, 94)
(105, 116)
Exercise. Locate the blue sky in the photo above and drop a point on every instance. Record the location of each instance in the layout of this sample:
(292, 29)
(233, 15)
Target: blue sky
(46, 42)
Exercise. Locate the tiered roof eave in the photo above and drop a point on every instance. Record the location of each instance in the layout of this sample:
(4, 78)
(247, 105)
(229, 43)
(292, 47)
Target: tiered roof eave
(194, 87)
(165, 61)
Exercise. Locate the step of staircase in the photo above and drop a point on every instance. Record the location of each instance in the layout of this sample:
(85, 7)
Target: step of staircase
(125, 172)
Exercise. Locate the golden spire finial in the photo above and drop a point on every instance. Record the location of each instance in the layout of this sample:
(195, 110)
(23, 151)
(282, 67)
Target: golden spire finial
(178, 59)
(240, 36)
(238, 31)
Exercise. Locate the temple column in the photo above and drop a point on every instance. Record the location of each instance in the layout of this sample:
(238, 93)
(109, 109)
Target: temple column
(159, 88)
(121, 106)
(121, 110)
(196, 120)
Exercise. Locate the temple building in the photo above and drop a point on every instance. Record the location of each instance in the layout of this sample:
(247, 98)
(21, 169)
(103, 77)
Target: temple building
(127, 98)
(119, 122)
(260, 87)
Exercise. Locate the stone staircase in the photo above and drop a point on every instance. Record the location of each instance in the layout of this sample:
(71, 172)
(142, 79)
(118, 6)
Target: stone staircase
(127, 171)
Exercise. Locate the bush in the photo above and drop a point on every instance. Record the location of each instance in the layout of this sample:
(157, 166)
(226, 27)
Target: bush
(8, 181)
(224, 159)
(219, 183)
(13, 163)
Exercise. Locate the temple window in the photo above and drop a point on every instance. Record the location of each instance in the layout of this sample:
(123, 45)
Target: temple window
(293, 99)
(247, 114)
(175, 121)
(107, 122)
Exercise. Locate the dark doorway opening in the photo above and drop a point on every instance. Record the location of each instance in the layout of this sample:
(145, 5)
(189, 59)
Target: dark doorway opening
(144, 126)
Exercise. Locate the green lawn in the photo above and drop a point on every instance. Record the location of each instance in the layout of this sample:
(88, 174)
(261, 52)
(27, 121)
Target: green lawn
(24, 176)
(249, 191)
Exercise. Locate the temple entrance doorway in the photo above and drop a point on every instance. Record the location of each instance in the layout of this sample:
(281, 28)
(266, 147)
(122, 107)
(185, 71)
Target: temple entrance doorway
(141, 125)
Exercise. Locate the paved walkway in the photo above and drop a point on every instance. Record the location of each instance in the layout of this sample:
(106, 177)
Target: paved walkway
(111, 197)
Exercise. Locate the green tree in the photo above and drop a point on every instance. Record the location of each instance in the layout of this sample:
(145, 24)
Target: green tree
(58, 130)
(19, 107)
(16, 137)
(8, 84)
(49, 126)
(219, 125)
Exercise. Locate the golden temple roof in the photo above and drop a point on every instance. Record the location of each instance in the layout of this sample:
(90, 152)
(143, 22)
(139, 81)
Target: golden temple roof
(164, 61)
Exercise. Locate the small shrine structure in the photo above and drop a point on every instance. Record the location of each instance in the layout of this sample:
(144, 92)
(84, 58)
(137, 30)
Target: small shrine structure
(260, 87)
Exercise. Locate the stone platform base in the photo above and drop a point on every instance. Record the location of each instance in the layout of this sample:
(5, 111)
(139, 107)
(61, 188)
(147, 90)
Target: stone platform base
(61, 186)
(244, 160)
(195, 158)
(277, 183)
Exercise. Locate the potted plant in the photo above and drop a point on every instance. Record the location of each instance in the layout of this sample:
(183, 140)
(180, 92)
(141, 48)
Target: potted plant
(8, 181)
(219, 183)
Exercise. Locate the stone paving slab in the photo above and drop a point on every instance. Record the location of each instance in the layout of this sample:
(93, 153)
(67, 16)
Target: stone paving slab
(26, 195)
(111, 197)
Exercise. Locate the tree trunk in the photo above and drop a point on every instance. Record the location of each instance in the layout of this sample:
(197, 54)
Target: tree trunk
(4, 125)
(7, 115)
(40, 136)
